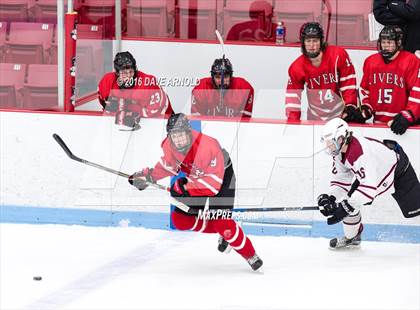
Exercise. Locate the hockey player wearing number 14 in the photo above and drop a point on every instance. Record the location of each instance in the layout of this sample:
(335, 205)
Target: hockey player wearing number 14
(364, 168)
(329, 77)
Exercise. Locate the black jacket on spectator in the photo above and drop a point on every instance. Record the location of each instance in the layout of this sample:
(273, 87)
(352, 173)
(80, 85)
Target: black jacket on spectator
(405, 15)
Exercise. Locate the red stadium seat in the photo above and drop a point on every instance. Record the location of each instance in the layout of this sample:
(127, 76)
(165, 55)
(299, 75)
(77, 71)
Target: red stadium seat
(100, 12)
(295, 13)
(45, 11)
(40, 92)
(12, 77)
(348, 21)
(85, 31)
(150, 18)
(196, 19)
(29, 43)
(15, 10)
(3, 31)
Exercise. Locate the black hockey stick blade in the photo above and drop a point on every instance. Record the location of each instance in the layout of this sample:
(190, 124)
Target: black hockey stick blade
(63, 145)
(274, 209)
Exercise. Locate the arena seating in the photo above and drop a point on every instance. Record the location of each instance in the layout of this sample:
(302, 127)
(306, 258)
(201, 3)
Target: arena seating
(45, 11)
(294, 14)
(41, 89)
(196, 19)
(15, 10)
(29, 43)
(150, 18)
(12, 77)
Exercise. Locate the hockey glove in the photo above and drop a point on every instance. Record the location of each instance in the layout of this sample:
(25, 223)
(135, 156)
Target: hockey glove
(178, 189)
(402, 121)
(367, 112)
(351, 114)
(327, 204)
(141, 178)
(343, 209)
(111, 104)
(131, 119)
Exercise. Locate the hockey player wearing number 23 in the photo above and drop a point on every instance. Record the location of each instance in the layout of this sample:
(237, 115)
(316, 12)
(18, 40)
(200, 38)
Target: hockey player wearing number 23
(329, 77)
(131, 94)
(364, 168)
(209, 176)
(390, 86)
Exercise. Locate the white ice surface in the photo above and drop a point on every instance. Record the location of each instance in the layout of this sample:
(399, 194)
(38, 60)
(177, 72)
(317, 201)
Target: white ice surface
(137, 268)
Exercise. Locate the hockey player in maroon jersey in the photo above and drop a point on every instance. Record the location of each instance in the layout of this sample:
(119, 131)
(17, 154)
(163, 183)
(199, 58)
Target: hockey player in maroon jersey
(209, 176)
(131, 94)
(329, 77)
(390, 87)
(364, 168)
(222, 94)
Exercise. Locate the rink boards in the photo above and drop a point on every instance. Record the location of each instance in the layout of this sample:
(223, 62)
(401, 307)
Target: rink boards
(274, 163)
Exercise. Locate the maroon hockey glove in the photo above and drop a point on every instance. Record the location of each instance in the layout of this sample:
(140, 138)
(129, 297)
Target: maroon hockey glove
(402, 121)
(327, 204)
(141, 179)
(343, 209)
(178, 189)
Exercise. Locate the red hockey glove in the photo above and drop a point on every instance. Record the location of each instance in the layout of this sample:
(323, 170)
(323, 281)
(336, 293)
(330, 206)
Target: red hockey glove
(141, 179)
(178, 189)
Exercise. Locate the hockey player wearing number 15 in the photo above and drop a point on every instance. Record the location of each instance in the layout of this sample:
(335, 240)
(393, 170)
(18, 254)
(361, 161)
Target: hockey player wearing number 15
(364, 168)
(390, 86)
(209, 177)
(328, 75)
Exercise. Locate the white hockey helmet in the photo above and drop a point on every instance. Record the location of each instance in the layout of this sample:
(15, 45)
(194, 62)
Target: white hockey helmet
(332, 131)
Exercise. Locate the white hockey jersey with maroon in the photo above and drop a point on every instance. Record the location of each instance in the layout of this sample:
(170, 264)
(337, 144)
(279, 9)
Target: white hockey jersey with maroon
(329, 87)
(390, 88)
(371, 163)
(203, 165)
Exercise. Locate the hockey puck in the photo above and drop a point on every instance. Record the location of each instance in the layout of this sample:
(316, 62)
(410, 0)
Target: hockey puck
(37, 278)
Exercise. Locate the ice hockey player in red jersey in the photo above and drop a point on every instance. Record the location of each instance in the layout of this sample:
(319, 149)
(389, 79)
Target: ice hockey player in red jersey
(131, 94)
(390, 87)
(364, 168)
(328, 75)
(209, 176)
(222, 94)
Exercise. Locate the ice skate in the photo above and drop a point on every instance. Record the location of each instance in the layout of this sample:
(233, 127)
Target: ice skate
(255, 262)
(343, 242)
(224, 246)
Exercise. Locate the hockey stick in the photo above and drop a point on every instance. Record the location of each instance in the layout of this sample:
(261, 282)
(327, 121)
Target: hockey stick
(69, 153)
(271, 209)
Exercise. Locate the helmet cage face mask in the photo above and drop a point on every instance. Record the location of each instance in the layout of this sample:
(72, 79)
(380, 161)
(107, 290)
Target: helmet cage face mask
(176, 125)
(335, 135)
(308, 31)
(221, 67)
(124, 61)
(391, 33)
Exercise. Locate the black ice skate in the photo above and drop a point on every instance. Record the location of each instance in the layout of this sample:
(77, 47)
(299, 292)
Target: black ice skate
(223, 246)
(255, 262)
(343, 242)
